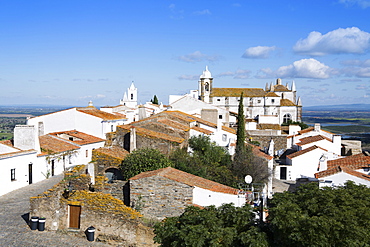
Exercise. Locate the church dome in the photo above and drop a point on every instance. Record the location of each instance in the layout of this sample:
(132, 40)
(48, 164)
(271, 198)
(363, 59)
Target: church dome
(206, 74)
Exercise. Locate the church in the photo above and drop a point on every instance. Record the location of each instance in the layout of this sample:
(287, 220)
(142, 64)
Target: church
(276, 104)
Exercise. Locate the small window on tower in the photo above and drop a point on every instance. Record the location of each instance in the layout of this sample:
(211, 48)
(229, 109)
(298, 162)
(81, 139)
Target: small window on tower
(132, 96)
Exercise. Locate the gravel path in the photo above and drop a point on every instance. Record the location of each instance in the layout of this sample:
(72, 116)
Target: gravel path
(14, 213)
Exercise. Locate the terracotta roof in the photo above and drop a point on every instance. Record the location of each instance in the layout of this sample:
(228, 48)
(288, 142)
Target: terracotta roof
(271, 94)
(190, 118)
(298, 153)
(258, 152)
(269, 126)
(100, 114)
(202, 130)
(355, 161)
(338, 169)
(286, 102)
(281, 88)
(54, 144)
(7, 143)
(113, 151)
(16, 153)
(151, 133)
(187, 178)
(311, 139)
(174, 124)
(228, 129)
(77, 137)
(236, 92)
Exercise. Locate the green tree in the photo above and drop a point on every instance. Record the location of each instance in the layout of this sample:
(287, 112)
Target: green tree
(321, 217)
(142, 160)
(207, 160)
(154, 100)
(223, 226)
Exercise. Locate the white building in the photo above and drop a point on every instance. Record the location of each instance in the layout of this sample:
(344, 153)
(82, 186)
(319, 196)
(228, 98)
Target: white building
(277, 102)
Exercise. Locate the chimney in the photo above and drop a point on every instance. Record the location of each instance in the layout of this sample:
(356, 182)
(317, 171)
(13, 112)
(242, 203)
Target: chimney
(317, 127)
(133, 139)
(25, 137)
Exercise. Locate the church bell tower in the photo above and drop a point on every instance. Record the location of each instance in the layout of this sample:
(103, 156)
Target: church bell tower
(205, 86)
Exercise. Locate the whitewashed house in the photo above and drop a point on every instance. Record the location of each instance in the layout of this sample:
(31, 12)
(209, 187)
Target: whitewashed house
(88, 120)
(354, 168)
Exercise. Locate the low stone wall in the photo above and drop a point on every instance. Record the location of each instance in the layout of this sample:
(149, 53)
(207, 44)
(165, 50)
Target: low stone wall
(108, 215)
(279, 140)
(160, 197)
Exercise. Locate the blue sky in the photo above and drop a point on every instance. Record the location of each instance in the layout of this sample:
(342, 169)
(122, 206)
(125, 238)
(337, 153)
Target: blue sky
(67, 52)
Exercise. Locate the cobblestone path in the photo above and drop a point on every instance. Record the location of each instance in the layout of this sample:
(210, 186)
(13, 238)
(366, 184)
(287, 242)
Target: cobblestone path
(14, 213)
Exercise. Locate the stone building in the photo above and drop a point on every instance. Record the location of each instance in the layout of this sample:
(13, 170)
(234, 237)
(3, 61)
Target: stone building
(167, 192)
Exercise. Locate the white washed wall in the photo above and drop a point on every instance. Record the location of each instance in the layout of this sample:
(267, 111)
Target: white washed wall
(204, 198)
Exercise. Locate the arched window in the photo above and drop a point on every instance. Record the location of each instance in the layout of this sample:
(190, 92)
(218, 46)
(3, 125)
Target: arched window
(287, 117)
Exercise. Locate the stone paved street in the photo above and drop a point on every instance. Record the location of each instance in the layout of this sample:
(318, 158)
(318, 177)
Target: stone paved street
(14, 229)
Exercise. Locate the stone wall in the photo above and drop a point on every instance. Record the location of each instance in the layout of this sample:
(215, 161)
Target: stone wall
(160, 197)
(279, 140)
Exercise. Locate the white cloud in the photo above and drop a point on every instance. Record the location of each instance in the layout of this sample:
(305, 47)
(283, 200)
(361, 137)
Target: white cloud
(349, 40)
(189, 77)
(197, 56)
(238, 74)
(362, 3)
(304, 68)
(202, 12)
(356, 68)
(258, 52)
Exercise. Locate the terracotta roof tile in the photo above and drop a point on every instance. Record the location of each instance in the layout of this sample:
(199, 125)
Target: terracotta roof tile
(269, 126)
(271, 94)
(228, 129)
(77, 137)
(355, 161)
(113, 151)
(187, 178)
(286, 102)
(298, 153)
(190, 118)
(151, 133)
(174, 124)
(16, 153)
(258, 152)
(236, 92)
(100, 114)
(281, 88)
(202, 130)
(55, 145)
(311, 139)
(338, 169)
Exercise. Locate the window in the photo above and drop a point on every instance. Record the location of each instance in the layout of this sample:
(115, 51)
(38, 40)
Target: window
(218, 99)
(259, 101)
(12, 174)
(87, 153)
(224, 137)
(273, 101)
(132, 96)
(219, 116)
(286, 118)
(111, 128)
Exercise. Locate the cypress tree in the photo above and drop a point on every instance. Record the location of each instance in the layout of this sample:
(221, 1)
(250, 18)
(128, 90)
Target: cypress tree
(155, 100)
(240, 132)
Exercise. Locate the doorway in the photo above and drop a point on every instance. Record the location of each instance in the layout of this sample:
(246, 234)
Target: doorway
(74, 216)
(30, 173)
(283, 173)
(52, 167)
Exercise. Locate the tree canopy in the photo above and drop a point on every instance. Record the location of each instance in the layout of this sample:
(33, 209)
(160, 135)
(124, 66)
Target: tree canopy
(142, 160)
(321, 217)
(223, 226)
(207, 160)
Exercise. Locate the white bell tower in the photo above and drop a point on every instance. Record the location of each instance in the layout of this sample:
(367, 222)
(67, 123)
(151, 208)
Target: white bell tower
(130, 97)
(205, 85)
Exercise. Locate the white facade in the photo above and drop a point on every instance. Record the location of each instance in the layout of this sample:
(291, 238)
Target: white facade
(203, 197)
(130, 97)
(77, 119)
(339, 179)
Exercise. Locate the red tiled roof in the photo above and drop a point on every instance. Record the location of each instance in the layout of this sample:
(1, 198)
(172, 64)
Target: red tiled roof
(174, 124)
(77, 137)
(258, 152)
(55, 145)
(271, 94)
(7, 143)
(113, 151)
(281, 88)
(311, 139)
(151, 133)
(202, 130)
(338, 169)
(228, 129)
(286, 102)
(236, 92)
(100, 114)
(190, 118)
(187, 178)
(355, 161)
(298, 153)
